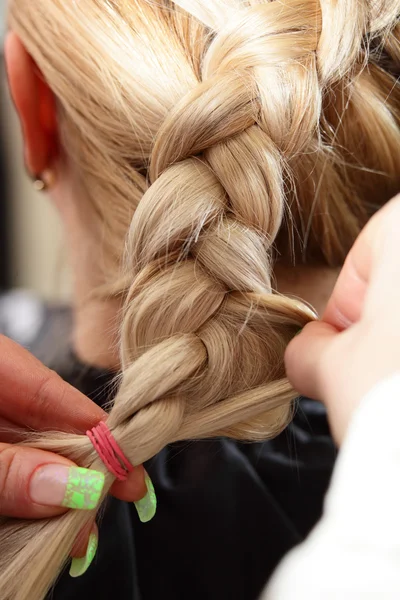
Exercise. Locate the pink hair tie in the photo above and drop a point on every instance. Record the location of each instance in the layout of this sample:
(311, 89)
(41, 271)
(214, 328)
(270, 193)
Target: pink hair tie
(109, 451)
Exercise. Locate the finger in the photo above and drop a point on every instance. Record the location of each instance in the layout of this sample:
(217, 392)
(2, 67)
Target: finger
(35, 484)
(303, 355)
(84, 553)
(384, 288)
(81, 542)
(33, 396)
(349, 296)
(133, 489)
(346, 303)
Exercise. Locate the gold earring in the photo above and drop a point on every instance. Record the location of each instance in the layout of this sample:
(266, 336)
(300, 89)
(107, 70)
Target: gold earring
(44, 181)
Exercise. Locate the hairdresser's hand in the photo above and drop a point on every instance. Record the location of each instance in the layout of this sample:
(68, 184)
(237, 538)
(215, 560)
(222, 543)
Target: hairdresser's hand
(33, 397)
(357, 343)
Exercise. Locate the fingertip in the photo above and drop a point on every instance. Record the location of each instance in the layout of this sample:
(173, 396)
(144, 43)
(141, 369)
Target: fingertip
(298, 341)
(303, 354)
(133, 489)
(19, 465)
(86, 554)
(81, 542)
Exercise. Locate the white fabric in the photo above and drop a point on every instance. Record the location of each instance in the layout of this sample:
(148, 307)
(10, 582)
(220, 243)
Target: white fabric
(354, 551)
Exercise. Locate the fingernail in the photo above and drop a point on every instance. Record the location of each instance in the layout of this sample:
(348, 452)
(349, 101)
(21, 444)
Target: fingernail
(147, 506)
(70, 487)
(79, 566)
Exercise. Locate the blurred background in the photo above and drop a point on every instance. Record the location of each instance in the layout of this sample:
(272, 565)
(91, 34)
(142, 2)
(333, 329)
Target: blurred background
(34, 279)
(31, 248)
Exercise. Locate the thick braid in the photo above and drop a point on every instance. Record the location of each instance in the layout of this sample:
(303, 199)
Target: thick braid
(202, 230)
(202, 272)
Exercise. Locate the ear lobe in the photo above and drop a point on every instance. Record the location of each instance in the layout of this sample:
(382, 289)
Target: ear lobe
(35, 105)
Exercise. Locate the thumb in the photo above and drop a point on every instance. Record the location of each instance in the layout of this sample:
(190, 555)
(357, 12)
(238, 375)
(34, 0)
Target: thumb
(303, 358)
(370, 270)
(35, 484)
(383, 295)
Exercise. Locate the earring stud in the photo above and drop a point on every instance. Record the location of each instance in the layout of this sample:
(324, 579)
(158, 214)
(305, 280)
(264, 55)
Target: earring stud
(44, 181)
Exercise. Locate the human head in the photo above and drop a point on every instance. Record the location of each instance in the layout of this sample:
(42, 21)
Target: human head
(200, 142)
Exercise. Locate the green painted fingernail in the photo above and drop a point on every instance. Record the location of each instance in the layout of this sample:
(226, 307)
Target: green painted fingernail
(79, 566)
(83, 489)
(70, 487)
(147, 506)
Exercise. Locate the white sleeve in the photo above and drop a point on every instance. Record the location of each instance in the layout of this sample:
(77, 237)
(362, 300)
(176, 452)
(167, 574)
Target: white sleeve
(354, 551)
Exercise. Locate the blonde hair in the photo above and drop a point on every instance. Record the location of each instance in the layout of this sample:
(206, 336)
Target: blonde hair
(210, 138)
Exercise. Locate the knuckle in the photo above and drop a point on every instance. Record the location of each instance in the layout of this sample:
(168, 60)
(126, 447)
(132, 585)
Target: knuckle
(9, 475)
(42, 399)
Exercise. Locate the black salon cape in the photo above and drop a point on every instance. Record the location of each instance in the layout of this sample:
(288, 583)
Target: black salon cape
(227, 512)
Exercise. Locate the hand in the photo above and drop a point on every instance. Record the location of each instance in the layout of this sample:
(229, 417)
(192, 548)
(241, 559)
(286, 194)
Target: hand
(357, 342)
(33, 397)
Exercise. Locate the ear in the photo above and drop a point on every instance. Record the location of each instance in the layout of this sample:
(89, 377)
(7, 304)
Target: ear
(35, 104)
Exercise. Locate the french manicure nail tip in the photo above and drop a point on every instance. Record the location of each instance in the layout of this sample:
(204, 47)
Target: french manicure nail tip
(83, 489)
(70, 487)
(79, 566)
(147, 507)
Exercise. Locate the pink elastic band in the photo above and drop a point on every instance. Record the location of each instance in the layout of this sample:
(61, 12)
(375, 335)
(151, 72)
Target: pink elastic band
(110, 453)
